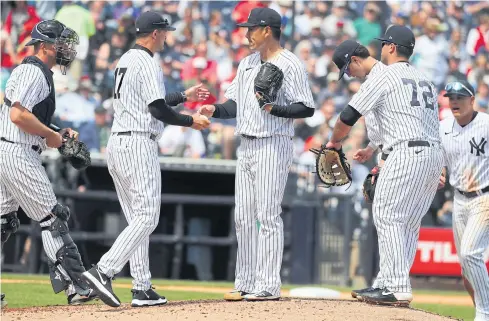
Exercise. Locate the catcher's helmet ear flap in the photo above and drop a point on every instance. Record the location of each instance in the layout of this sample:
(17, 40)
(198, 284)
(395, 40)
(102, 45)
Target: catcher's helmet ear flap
(63, 38)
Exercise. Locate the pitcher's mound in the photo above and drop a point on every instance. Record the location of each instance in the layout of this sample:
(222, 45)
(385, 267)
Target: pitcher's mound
(211, 310)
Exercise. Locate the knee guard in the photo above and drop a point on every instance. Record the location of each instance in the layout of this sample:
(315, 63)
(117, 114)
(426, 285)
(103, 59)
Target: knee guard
(10, 224)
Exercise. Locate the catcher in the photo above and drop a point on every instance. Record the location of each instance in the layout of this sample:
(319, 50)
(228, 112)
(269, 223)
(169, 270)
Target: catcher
(24, 133)
(270, 89)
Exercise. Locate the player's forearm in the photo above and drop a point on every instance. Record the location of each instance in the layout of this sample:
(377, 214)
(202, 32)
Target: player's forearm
(27, 122)
(174, 99)
(296, 110)
(161, 111)
(226, 110)
(340, 131)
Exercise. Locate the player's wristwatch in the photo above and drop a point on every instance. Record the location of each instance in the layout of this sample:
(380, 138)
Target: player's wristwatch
(184, 96)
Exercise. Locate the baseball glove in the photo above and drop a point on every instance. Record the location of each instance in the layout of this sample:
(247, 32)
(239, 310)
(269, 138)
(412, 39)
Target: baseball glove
(76, 152)
(268, 81)
(368, 186)
(331, 166)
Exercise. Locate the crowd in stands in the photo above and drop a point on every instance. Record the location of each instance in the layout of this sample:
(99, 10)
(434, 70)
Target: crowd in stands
(452, 43)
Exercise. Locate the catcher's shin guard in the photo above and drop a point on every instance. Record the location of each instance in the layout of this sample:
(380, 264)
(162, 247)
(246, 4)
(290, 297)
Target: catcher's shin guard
(9, 225)
(68, 265)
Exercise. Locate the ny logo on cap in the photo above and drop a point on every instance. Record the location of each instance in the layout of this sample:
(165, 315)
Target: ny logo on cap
(263, 21)
(346, 56)
(390, 37)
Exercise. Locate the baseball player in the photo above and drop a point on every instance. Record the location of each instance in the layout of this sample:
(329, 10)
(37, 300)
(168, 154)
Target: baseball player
(264, 156)
(404, 103)
(361, 65)
(464, 141)
(141, 105)
(24, 133)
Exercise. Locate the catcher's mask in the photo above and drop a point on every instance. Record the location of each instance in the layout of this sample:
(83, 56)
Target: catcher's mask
(63, 38)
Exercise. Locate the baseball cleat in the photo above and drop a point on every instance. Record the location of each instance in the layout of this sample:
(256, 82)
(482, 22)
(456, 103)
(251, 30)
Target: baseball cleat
(357, 294)
(4, 302)
(102, 285)
(141, 298)
(76, 299)
(261, 296)
(235, 295)
(387, 297)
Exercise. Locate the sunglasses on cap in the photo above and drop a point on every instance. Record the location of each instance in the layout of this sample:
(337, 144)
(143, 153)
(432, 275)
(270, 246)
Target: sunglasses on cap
(390, 42)
(456, 86)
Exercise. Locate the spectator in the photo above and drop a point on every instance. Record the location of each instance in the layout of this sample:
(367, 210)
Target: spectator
(337, 23)
(102, 128)
(368, 27)
(482, 96)
(478, 38)
(479, 71)
(454, 70)
(188, 28)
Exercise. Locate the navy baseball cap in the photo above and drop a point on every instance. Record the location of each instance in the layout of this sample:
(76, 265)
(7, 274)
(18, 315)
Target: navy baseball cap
(459, 88)
(399, 35)
(342, 55)
(263, 17)
(150, 20)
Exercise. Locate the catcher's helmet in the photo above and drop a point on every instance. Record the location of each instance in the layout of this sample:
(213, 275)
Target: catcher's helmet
(63, 38)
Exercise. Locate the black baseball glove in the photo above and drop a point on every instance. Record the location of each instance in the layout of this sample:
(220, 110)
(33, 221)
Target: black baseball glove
(368, 186)
(76, 152)
(268, 81)
(331, 166)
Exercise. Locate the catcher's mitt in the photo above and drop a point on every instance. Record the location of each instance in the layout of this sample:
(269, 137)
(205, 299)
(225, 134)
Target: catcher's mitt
(268, 81)
(76, 152)
(368, 186)
(331, 166)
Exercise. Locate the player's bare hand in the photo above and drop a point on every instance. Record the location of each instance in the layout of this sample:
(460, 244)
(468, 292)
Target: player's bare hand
(333, 145)
(207, 110)
(68, 132)
(197, 93)
(442, 181)
(363, 155)
(54, 140)
(200, 121)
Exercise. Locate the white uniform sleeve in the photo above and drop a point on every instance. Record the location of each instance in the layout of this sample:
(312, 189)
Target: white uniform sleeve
(370, 93)
(153, 86)
(297, 87)
(31, 88)
(232, 90)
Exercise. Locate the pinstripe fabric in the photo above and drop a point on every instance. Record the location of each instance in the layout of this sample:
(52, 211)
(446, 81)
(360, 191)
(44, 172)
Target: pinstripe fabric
(133, 164)
(471, 235)
(28, 86)
(261, 175)
(250, 119)
(373, 130)
(405, 189)
(468, 169)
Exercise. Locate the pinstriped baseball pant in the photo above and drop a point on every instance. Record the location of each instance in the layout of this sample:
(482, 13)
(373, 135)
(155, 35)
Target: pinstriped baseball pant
(471, 235)
(261, 175)
(133, 164)
(24, 182)
(406, 187)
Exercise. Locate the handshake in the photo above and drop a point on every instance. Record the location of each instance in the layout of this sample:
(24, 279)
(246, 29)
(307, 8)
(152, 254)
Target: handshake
(201, 117)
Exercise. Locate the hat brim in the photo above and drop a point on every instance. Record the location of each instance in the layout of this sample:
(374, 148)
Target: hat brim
(32, 42)
(247, 25)
(447, 94)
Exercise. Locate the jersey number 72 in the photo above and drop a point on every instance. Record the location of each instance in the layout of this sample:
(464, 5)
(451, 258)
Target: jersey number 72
(118, 77)
(426, 94)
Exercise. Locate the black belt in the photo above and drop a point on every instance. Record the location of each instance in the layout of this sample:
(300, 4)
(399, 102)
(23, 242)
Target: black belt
(34, 147)
(248, 136)
(411, 143)
(151, 136)
(474, 194)
(7, 102)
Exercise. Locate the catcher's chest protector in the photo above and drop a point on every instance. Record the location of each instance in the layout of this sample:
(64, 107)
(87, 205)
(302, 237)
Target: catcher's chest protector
(45, 109)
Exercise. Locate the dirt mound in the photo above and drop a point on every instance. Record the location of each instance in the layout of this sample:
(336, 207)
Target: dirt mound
(285, 309)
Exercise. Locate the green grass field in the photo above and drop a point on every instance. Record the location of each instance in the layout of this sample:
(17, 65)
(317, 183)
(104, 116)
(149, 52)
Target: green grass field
(35, 294)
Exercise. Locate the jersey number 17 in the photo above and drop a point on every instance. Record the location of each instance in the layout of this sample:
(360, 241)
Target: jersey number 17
(427, 95)
(118, 77)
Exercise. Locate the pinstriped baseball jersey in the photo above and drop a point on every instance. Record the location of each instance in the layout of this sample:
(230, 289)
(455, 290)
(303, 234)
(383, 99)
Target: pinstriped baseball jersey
(403, 101)
(466, 152)
(373, 130)
(253, 121)
(138, 82)
(28, 86)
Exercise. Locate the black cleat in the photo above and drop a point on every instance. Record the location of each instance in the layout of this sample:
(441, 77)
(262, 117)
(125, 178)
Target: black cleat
(4, 302)
(102, 285)
(357, 294)
(261, 296)
(387, 297)
(76, 299)
(146, 298)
